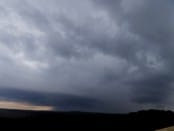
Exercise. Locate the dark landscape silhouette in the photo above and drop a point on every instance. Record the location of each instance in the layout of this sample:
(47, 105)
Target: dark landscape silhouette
(147, 120)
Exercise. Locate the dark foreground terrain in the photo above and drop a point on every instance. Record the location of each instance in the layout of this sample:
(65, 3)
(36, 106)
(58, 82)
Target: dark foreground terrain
(31, 120)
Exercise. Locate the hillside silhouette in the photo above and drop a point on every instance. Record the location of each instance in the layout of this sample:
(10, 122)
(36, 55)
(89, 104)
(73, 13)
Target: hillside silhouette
(148, 120)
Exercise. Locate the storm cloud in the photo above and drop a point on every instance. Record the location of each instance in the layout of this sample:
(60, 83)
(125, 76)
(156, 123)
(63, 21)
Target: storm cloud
(115, 54)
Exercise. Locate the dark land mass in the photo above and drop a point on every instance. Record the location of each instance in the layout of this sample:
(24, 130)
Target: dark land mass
(148, 120)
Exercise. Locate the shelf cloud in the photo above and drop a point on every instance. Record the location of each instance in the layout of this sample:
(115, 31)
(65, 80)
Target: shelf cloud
(117, 55)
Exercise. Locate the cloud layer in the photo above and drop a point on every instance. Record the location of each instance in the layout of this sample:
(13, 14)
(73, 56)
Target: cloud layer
(118, 52)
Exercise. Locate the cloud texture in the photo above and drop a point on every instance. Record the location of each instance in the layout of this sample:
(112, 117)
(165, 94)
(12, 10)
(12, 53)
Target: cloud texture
(118, 53)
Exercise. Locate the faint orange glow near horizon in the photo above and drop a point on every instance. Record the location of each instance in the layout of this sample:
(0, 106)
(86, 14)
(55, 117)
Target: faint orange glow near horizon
(23, 106)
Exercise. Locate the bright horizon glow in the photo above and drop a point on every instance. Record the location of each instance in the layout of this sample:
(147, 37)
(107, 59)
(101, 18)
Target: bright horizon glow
(23, 106)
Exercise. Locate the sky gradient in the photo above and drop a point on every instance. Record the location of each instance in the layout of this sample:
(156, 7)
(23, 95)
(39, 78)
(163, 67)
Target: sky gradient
(90, 55)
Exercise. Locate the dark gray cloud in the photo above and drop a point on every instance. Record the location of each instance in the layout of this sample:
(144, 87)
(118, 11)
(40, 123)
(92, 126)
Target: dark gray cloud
(149, 50)
(118, 52)
(59, 101)
(152, 88)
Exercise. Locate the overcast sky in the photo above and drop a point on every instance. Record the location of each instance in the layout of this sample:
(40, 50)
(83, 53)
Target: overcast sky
(96, 55)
